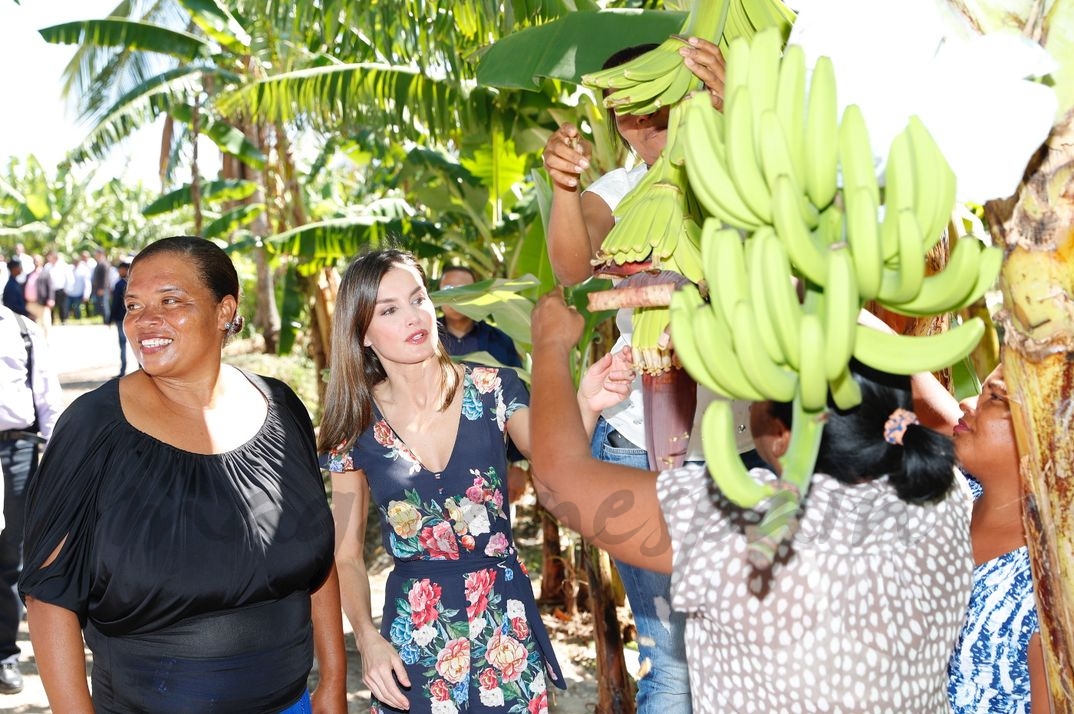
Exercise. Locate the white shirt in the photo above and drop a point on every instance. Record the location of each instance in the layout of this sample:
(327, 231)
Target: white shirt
(18, 403)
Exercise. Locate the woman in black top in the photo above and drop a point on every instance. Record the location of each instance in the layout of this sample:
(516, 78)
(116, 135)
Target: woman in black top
(179, 520)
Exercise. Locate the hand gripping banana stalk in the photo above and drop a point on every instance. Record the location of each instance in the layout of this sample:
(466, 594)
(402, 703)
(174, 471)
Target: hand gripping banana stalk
(791, 198)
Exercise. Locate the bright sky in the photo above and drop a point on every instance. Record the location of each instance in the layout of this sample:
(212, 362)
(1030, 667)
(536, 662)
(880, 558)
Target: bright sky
(36, 119)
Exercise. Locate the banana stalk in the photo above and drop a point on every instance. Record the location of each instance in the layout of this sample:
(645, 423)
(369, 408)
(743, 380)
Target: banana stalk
(669, 400)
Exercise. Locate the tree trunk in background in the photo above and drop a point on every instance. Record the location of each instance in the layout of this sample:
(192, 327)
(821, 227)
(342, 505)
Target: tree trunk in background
(614, 687)
(1036, 228)
(267, 314)
(553, 569)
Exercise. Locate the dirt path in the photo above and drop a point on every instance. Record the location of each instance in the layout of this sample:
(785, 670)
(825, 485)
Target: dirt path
(86, 356)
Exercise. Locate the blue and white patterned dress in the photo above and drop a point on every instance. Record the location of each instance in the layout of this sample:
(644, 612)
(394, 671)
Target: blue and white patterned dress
(989, 671)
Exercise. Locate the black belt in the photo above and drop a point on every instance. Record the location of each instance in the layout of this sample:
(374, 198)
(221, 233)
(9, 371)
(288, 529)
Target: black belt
(20, 435)
(619, 441)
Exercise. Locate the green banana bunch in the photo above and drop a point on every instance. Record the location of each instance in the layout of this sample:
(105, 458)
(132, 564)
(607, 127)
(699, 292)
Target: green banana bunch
(659, 78)
(794, 206)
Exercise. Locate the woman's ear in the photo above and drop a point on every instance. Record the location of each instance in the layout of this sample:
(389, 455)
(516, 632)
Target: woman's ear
(226, 311)
(781, 439)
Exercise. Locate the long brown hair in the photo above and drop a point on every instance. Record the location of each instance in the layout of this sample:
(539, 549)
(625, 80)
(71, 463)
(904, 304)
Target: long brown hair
(348, 402)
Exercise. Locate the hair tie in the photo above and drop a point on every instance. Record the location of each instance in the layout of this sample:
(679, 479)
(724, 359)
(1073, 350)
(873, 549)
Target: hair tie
(895, 426)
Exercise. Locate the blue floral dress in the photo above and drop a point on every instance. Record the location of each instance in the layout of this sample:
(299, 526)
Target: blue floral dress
(989, 670)
(459, 606)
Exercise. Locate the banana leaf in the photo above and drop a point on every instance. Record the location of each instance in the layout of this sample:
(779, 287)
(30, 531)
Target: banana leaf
(496, 298)
(570, 46)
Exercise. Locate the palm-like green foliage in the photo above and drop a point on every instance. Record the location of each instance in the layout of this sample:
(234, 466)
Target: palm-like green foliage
(65, 210)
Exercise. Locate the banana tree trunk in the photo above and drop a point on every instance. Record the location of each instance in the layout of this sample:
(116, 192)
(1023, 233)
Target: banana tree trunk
(1036, 227)
(614, 688)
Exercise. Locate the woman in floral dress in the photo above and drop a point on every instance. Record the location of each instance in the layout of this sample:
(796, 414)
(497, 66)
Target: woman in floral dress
(425, 438)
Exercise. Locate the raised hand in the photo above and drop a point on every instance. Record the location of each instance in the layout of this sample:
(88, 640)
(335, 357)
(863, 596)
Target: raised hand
(566, 156)
(607, 381)
(706, 61)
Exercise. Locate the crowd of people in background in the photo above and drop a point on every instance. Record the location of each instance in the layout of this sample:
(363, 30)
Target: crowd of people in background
(51, 288)
(54, 288)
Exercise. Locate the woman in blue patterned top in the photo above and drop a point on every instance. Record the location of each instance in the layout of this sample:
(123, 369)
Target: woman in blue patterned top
(998, 663)
(424, 439)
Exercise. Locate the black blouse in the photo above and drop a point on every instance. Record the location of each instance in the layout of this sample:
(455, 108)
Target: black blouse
(159, 540)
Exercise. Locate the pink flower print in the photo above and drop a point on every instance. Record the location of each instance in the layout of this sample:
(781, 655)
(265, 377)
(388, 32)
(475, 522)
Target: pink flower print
(383, 434)
(488, 679)
(539, 704)
(440, 690)
(497, 545)
(485, 379)
(497, 498)
(520, 628)
(476, 493)
(468, 542)
(478, 585)
(506, 654)
(453, 662)
(439, 541)
(424, 596)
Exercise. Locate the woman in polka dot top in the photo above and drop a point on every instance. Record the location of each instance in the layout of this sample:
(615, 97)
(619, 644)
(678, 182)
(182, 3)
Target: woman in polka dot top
(860, 611)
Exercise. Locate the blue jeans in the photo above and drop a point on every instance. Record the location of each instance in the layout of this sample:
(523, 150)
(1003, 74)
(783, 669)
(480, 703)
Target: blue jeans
(665, 689)
(19, 459)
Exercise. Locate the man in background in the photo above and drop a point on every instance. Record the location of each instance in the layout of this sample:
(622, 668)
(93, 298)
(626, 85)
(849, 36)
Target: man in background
(461, 335)
(99, 285)
(14, 299)
(31, 405)
(118, 311)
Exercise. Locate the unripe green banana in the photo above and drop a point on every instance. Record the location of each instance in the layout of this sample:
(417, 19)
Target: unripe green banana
(845, 390)
(706, 166)
(742, 161)
(686, 260)
(765, 50)
(841, 307)
(790, 106)
(947, 290)
(863, 237)
(821, 135)
(736, 66)
(684, 305)
(812, 380)
(904, 283)
(722, 459)
(758, 285)
(626, 99)
(906, 354)
(990, 262)
(781, 300)
(724, 261)
(713, 337)
(764, 374)
(856, 154)
(935, 182)
(898, 192)
(775, 155)
(804, 253)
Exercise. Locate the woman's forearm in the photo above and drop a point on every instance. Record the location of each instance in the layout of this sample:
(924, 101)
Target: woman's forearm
(328, 645)
(60, 653)
(569, 248)
(354, 593)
